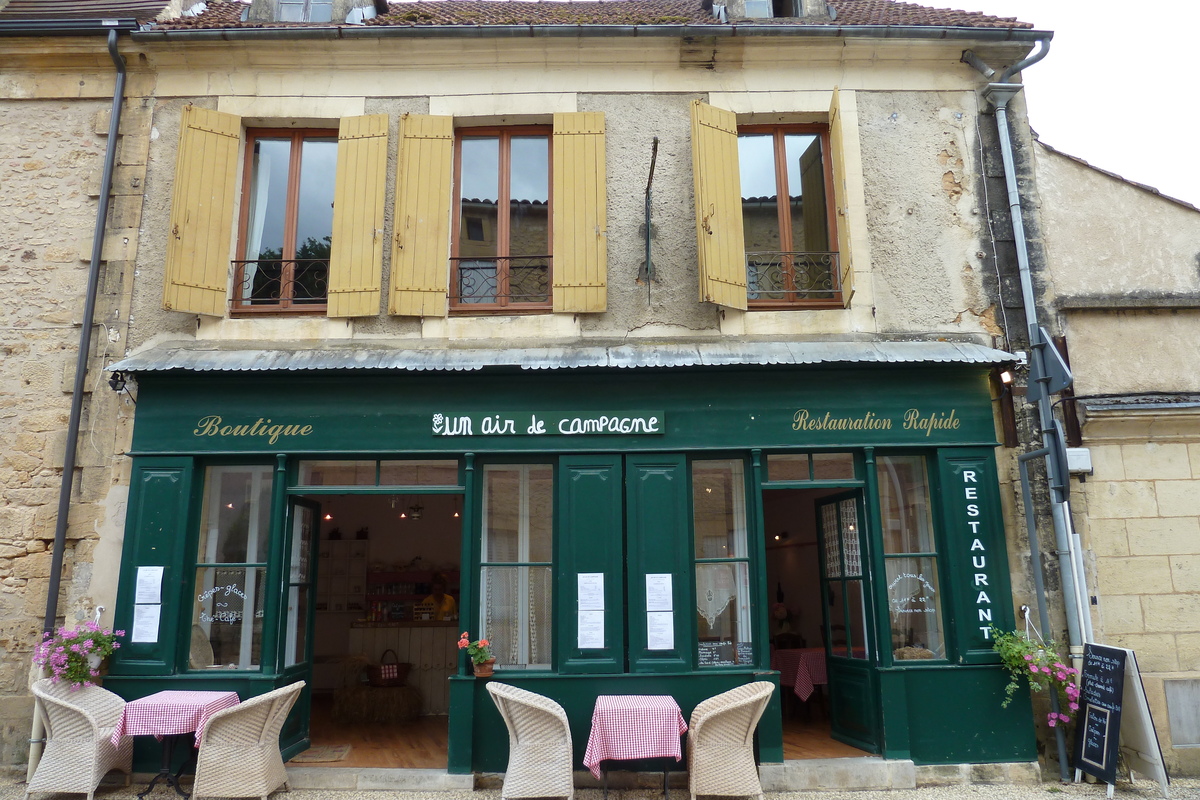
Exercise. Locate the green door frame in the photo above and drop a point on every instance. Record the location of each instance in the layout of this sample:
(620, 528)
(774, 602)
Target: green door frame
(294, 737)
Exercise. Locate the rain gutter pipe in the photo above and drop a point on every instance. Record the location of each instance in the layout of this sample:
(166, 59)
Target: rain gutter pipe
(990, 35)
(110, 27)
(999, 94)
(1039, 588)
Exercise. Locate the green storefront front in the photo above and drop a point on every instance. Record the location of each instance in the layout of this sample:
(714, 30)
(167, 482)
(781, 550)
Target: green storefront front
(614, 531)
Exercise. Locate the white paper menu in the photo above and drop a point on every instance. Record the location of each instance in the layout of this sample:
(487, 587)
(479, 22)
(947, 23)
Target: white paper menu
(660, 630)
(658, 592)
(591, 591)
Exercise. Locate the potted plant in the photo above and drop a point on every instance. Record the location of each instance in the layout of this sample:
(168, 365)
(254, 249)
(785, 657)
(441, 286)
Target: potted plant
(1039, 665)
(75, 655)
(480, 652)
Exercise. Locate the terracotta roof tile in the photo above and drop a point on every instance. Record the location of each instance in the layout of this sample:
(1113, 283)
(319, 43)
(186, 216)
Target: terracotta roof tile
(416, 13)
(51, 10)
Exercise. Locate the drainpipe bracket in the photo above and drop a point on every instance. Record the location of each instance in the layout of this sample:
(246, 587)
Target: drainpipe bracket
(998, 94)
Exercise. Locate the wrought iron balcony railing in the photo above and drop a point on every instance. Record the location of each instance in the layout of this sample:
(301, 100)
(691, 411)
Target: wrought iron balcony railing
(792, 277)
(280, 283)
(512, 280)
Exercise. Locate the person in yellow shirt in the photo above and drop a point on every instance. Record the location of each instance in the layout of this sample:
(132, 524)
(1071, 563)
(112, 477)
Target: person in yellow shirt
(444, 606)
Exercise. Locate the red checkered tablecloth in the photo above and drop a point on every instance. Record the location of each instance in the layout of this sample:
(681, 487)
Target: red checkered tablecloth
(628, 726)
(171, 712)
(801, 668)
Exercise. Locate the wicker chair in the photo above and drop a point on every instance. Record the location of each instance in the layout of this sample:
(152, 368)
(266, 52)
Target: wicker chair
(721, 742)
(539, 744)
(79, 750)
(239, 749)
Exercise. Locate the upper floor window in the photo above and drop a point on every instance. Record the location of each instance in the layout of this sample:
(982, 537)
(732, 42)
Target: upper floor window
(786, 216)
(304, 10)
(775, 207)
(287, 221)
(501, 256)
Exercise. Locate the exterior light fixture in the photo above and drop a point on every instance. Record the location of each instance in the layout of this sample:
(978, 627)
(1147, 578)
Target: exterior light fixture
(1006, 377)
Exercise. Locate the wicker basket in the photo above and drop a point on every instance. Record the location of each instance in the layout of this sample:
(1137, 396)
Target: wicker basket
(387, 672)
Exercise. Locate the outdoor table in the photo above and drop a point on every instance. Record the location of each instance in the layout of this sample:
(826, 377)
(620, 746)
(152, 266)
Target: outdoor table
(626, 727)
(802, 668)
(167, 716)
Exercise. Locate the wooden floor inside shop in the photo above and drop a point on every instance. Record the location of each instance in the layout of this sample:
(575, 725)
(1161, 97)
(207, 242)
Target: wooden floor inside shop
(422, 743)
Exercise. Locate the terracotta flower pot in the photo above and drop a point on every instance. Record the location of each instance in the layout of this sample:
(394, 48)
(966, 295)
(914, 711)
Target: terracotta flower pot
(484, 669)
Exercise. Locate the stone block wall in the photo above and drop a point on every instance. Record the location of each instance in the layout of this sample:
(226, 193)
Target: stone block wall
(1139, 516)
(52, 149)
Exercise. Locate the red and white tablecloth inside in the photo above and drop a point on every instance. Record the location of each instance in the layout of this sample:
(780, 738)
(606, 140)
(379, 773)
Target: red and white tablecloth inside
(802, 668)
(634, 726)
(170, 713)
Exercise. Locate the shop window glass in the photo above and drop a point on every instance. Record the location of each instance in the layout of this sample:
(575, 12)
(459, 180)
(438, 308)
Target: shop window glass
(788, 467)
(287, 221)
(722, 563)
(833, 466)
(910, 553)
(231, 568)
(299, 583)
(842, 571)
(516, 575)
(337, 473)
(418, 473)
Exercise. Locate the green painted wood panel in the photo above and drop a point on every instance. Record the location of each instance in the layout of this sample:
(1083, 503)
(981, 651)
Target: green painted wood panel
(591, 540)
(658, 530)
(704, 409)
(157, 527)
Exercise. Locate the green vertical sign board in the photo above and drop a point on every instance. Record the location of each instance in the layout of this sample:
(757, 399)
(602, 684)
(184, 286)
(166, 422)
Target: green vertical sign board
(976, 552)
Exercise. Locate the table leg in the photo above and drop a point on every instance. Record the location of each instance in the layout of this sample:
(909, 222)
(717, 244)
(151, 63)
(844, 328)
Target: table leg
(604, 779)
(164, 771)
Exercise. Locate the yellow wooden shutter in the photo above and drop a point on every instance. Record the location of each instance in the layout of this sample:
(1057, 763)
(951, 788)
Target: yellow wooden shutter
(843, 141)
(356, 258)
(421, 246)
(580, 229)
(720, 242)
(197, 260)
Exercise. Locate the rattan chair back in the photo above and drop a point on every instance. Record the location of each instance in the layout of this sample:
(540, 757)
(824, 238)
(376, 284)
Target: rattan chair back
(539, 744)
(239, 747)
(79, 726)
(721, 742)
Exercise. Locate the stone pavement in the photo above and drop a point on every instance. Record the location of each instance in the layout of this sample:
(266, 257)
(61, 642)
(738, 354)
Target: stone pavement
(12, 787)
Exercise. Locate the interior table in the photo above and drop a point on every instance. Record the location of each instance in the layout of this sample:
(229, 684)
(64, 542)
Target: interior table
(627, 727)
(802, 668)
(168, 716)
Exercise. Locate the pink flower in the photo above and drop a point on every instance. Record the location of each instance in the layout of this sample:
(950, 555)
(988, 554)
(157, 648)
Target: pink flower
(1033, 668)
(1062, 676)
(484, 643)
(1052, 722)
(1074, 706)
(462, 643)
(1029, 658)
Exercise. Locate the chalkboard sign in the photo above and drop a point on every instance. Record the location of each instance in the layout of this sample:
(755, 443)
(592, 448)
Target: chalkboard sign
(1098, 728)
(725, 654)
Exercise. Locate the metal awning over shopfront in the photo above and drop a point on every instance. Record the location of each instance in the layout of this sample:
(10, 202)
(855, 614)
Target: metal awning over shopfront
(199, 358)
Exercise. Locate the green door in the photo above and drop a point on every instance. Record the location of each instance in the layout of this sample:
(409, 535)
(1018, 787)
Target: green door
(295, 635)
(848, 621)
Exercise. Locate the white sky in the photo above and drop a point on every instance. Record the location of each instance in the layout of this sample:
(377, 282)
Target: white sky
(1119, 88)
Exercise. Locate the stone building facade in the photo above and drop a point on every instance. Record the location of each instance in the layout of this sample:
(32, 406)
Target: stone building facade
(924, 262)
(1123, 284)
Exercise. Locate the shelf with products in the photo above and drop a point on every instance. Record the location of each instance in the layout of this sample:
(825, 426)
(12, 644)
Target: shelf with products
(398, 595)
(342, 575)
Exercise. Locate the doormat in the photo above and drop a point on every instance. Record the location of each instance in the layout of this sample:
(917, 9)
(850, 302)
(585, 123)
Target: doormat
(321, 753)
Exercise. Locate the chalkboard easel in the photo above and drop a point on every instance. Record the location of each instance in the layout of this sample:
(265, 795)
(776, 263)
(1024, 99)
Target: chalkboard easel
(1111, 689)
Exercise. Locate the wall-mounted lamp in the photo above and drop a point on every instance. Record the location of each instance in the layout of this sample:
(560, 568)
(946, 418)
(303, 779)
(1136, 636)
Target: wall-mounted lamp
(1006, 377)
(782, 536)
(123, 383)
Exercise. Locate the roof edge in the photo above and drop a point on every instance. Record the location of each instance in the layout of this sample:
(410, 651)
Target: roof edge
(67, 27)
(1021, 35)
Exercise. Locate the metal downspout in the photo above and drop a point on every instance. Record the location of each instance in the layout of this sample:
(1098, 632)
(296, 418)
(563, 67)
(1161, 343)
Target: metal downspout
(85, 340)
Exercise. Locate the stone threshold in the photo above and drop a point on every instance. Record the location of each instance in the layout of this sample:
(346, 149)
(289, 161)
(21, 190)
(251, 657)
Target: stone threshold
(818, 774)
